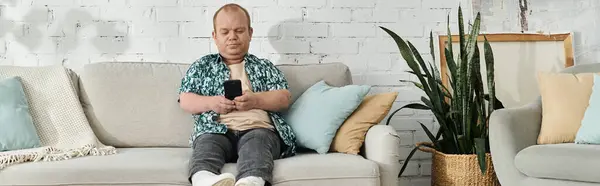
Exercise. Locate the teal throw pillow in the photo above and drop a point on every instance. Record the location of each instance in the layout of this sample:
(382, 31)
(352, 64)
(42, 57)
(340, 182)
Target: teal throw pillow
(589, 131)
(319, 112)
(17, 130)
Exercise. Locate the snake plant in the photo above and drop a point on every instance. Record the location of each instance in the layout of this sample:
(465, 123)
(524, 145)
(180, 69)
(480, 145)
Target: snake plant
(462, 109)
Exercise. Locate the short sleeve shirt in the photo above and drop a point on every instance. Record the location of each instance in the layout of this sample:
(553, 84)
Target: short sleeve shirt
(205, 77)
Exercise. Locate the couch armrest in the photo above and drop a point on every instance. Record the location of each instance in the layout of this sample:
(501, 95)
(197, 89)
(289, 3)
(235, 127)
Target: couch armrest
(511, 130)
(382, 145)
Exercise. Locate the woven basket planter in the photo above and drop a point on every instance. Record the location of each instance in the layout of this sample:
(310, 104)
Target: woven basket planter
(459, 170)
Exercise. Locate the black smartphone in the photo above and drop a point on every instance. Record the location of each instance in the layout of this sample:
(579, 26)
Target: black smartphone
(233, 88)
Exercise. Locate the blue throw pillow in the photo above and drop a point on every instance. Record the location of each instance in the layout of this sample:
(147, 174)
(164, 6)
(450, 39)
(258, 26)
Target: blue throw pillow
(589, 131)
(17, 130)
(318, 113)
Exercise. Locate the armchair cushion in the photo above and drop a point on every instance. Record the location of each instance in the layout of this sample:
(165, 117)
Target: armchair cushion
(566, 161)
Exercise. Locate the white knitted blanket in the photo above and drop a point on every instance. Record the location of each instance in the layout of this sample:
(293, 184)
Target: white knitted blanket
(58, 117)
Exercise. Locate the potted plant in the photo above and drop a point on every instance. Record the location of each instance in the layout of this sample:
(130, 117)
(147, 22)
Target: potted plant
(461, 154)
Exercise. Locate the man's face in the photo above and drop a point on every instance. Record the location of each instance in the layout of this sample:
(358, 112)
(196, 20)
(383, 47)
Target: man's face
(231, 34)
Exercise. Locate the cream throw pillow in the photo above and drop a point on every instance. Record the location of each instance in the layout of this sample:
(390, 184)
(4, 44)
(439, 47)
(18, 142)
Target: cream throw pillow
(565, 98)
(351, 135)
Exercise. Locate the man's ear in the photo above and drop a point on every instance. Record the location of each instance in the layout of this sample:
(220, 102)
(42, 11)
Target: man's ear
(250, 31)
(213, 35)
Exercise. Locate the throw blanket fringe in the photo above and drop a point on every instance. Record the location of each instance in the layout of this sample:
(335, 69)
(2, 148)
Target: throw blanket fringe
(54, 154)
(57, 114)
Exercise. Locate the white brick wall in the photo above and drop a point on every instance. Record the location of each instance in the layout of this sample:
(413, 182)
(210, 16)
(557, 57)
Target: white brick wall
(77, 32)
(548, 16)
(305, 3)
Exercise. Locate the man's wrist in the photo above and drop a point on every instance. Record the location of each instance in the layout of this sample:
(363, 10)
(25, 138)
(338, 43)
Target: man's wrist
(212, 103)
(258, 102)
(271, 100)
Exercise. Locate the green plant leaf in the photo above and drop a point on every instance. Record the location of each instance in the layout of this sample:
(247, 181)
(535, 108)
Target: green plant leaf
(407, 54)
(417, 84)
(431, 45)
(410, 155)
(471, 50)
(449, 34)
(451, 85)
(443, 121)
(429, 134)
(480, 115)
(435, 93)
(464, 146)
(417, 106)
(497, 103)
(419, 59)
(438, 81)
(426, 101)
(438, 89)
(451, 67)
(474, 88)
(461, 35)
(489, 64)
(438, 135)
(480, 144)
(449, 114)
(449, 53)
(411, 72)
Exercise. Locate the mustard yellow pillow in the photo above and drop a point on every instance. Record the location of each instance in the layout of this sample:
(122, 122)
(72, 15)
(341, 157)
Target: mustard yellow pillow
(351, 135)
(565, 98)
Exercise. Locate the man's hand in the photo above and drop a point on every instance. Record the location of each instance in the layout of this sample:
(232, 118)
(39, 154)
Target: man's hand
(247, 101)
(222, 105)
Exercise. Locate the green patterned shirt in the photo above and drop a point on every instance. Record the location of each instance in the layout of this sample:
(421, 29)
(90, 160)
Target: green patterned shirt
(206, 76)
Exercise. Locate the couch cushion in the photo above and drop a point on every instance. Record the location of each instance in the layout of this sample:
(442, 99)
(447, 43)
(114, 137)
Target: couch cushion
(560, 161)
(169, 166)
(302, 77)
(134, 104)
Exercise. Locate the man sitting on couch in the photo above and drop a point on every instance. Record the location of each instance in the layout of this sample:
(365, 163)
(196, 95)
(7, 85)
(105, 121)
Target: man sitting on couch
(248, 129)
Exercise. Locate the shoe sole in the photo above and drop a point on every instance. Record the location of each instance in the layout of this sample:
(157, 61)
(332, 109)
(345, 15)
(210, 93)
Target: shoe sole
(225, 182)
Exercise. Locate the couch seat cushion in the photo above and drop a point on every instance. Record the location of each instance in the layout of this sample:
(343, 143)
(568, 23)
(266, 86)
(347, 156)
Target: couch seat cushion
(327, 169)
(169, 166)
(566, 161)
(132, 165)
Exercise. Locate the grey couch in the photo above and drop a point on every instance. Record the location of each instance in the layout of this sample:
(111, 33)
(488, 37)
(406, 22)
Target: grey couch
(133, 106)
(519, 161)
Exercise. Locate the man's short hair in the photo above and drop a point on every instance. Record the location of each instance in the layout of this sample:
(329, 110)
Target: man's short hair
(231, 7)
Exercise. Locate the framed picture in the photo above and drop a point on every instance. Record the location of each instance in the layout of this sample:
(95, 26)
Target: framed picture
(518, 57)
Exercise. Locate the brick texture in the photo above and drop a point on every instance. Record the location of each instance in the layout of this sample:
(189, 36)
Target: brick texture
(550, 16)
(77, 32)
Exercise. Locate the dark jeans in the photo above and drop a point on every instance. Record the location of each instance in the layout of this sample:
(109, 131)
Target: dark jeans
(254, 150)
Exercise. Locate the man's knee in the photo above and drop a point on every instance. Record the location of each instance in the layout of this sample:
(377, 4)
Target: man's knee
(261, 134)
(214, 139)
(261, 138)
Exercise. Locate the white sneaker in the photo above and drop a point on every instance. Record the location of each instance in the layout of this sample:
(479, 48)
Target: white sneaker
(205, 178)
(250, 181)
